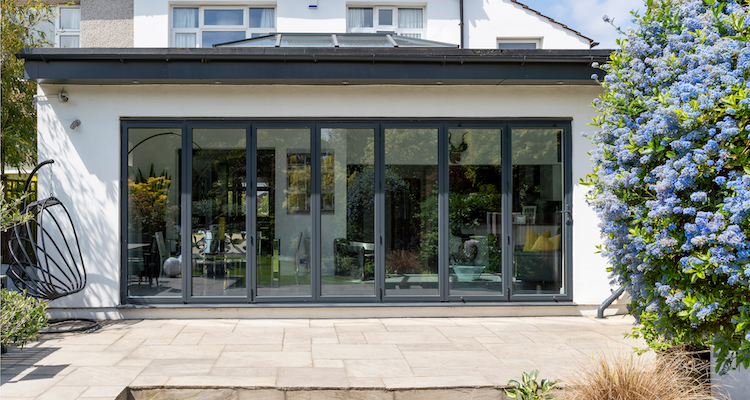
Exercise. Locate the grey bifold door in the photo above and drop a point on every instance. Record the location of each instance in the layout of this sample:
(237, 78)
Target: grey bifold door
(346, 211)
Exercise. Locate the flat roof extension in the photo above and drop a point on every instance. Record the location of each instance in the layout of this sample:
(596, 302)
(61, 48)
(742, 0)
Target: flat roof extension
(311, 66)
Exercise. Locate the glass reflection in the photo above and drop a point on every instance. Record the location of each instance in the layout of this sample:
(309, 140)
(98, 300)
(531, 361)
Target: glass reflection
(411, 212)
(348, 212)
(284, 226)
(153, 210)
(219, 238)
(537, 199)
(475, 185)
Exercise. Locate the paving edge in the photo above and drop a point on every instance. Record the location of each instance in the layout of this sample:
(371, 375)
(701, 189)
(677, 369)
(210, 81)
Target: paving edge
(300, 393)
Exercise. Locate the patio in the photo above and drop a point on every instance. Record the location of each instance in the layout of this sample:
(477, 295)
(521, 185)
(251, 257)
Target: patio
(388, 355)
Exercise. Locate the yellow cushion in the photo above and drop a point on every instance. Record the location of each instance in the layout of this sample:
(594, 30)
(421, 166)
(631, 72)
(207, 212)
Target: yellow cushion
(546, 234)
(542, 244)
(556, 240)
(530, 240)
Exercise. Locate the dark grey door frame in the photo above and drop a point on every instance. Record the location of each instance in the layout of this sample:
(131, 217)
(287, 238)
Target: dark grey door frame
(379, 125)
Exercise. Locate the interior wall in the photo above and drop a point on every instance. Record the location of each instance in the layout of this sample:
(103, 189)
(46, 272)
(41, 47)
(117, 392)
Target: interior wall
(87, 169)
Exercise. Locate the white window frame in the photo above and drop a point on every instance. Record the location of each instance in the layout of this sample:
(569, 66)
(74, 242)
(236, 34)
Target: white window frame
(377, 27)
(59, 31)
(536, 40)
(376, 19)
(202, 27)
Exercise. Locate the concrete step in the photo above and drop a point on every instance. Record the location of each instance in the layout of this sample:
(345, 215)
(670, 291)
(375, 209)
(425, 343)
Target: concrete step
(468, 393)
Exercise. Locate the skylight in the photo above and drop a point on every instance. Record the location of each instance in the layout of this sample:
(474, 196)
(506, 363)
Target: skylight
(334, 40)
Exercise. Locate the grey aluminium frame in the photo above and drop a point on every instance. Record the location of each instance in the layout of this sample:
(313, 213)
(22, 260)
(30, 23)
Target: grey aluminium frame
(379, 125)
(567, 157)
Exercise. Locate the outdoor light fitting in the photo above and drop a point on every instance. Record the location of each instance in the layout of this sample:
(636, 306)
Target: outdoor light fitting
(63, 97)
(75, 123)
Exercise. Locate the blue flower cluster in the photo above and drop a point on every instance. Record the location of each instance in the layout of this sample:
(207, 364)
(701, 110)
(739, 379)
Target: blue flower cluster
(672, 168)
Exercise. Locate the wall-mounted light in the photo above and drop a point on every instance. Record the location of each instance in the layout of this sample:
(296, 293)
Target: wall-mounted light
(75, 124)
(312, 3)
(62, 97)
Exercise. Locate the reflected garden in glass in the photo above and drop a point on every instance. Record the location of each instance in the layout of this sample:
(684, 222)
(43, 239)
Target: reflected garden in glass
(283, 217)
(537, 206)
(219, 203)
(475, 211)
(345, 211)
(347, 191)
(411, 209)
(153, 212)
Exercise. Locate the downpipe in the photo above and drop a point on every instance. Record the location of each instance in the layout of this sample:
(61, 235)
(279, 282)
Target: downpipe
(617, 293)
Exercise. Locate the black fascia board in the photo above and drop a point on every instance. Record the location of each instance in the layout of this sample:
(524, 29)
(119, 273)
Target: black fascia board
(316, 66)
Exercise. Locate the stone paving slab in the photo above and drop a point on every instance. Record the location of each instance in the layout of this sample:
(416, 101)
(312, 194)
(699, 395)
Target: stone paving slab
(378, 358)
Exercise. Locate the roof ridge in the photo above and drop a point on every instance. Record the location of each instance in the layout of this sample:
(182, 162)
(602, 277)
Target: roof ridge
(591, 41)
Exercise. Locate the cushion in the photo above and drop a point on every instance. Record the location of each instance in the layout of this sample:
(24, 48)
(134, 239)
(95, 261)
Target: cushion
(542, 244)
(556, 242)
(531, 237)
(546, 234)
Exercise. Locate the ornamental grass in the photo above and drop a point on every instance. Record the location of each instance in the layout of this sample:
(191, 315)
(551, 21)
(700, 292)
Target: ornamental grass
(624, 375)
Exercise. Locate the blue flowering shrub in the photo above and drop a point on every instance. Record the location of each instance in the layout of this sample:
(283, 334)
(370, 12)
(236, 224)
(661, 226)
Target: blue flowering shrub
(671, 181)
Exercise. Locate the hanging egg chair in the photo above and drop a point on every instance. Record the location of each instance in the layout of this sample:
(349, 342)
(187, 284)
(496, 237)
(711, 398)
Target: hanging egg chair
(46, 256)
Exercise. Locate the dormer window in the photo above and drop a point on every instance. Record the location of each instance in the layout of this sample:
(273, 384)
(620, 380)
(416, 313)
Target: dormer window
(519, 43)
(209, 25)
(402, 21)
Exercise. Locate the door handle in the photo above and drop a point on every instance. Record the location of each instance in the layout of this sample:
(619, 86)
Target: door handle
(568, 220)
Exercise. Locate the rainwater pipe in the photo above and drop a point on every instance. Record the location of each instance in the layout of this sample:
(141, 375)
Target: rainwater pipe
(461, 17)
(617, 293)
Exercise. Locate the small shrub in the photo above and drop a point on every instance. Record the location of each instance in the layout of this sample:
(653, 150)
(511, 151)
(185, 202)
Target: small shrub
(22, 317)
(403, 262)
(529, 389)
(626, 376)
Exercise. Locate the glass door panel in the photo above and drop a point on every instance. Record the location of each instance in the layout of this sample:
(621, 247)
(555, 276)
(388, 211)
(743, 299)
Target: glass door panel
(537, 204)
(284, 221)
(219, 236)
(153, 211)
(474, 216)
(411, 211)
(347, 237)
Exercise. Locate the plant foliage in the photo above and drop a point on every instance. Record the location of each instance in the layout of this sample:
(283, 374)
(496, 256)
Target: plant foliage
(529, 388)
(620, 375)
(672, 173)
(20, 23)
(10, 211)
(21, 318)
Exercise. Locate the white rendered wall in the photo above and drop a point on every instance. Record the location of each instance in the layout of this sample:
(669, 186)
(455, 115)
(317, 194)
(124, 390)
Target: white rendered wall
(485, 20)
(489, 20)
(87, 170)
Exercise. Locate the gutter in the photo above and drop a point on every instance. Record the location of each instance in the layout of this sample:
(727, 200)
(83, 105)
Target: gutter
(370, 55)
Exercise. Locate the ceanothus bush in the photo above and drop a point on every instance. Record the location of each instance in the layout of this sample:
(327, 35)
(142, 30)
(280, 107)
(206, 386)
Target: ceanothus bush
(671, 181)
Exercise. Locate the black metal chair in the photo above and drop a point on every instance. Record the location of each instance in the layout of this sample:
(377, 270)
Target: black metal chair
(47, 259)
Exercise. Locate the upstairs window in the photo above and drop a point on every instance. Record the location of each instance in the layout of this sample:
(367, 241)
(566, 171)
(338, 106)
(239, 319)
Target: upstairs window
(402, 21)
(206, 26)
(68, 27)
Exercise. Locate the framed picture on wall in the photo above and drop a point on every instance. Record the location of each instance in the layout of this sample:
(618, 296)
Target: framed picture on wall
(530, 213)
(299, 182)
